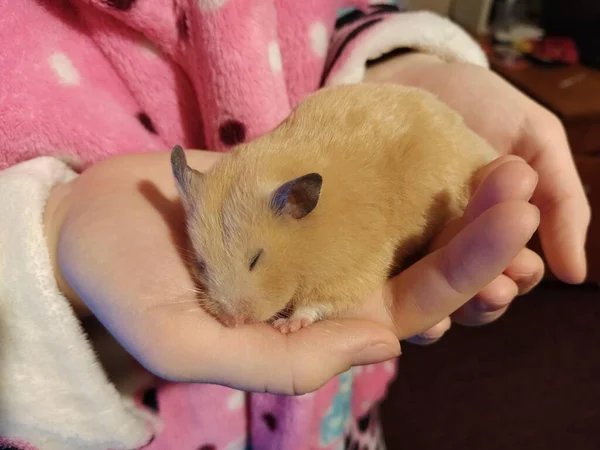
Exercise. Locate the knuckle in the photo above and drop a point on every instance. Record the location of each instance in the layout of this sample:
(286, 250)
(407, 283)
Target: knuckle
(544, 126)
(547, 121)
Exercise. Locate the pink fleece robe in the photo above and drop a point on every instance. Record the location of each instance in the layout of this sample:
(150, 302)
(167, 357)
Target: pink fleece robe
(87, 79)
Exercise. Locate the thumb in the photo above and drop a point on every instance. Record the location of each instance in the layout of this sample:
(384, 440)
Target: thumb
(258, 358)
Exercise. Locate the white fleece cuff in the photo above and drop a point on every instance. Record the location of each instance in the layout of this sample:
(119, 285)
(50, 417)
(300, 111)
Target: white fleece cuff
(54, 394)
(422, 31)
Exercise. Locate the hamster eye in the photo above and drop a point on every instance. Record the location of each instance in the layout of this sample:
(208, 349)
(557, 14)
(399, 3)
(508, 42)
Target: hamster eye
(255, 259)
(201, 265)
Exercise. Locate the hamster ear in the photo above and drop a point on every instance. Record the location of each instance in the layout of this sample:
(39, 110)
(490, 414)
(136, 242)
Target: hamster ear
(188, 180)
(297, 197)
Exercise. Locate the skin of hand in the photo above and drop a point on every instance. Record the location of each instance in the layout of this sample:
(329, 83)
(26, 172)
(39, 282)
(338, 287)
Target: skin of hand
(116, 237)
(515, 125)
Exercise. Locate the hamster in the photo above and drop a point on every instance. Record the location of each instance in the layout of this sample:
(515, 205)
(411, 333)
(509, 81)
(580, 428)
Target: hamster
(305, 221)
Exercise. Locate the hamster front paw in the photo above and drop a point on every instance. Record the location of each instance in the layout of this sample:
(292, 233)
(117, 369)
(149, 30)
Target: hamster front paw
(290, 325)
(301, 318)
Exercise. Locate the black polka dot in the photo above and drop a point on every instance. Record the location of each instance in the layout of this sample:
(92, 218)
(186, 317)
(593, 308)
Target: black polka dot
(271, 421)
(8, 447)
(347, 442)
(363, 422)
(121, 5)
(146, 122)
(365, 447)
(67, 5)
(183, 27)
(150, 399)
(232, 132)
(354, 446)
(207, 447)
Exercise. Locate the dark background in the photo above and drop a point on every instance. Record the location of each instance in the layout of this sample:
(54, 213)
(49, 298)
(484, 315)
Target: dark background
(579, 19)
(529, 381)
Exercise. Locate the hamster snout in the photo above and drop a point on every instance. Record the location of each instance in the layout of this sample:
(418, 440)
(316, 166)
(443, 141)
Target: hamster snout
(243, 311)
(230, 320)
(234, 312)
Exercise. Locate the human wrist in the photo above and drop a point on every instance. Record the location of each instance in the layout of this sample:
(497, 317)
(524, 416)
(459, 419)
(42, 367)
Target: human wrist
(55, 212)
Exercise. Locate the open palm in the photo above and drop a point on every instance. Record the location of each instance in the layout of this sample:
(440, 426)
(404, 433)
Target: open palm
(120, 247)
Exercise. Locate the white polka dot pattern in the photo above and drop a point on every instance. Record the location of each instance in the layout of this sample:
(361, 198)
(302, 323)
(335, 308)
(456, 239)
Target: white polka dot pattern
(238, 444)
(318, 39)
(210, 5)
(149, 50)
(64, 69)
(235, 401)
(275, 57)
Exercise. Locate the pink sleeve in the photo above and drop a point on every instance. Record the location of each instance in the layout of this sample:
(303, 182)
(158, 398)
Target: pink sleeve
(333, 42)
(60, 95)
(372, 31)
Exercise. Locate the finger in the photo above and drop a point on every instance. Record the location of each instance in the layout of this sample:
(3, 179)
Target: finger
(486, 170)
(506, 178)
(440, 283)
(432, 335)
(488, 304)
(476, 319)
(526, 270)
(564, 209)
(509, 178)
(259, 358)
(521, 275)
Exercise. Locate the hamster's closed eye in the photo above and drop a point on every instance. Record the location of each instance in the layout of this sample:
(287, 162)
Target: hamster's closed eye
(255, 259)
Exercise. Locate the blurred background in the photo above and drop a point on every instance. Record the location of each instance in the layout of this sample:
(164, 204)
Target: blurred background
(531, 380)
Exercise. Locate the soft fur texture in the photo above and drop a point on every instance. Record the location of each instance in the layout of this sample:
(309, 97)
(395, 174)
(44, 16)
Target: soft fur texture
(81, 80)
(52, 391)
(370, 194)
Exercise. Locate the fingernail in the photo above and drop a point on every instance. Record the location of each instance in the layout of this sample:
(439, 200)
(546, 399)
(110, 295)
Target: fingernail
(436, 332)
(376, 353)
(527, 283)
(478, 305)
(486, 307)
(423, 339)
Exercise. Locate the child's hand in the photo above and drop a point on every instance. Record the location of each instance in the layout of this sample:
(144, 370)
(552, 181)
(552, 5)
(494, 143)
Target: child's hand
(476, 247)
(514, 125)
(117, 233)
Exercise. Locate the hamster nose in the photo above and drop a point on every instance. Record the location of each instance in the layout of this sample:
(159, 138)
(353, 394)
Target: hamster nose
(232, 321)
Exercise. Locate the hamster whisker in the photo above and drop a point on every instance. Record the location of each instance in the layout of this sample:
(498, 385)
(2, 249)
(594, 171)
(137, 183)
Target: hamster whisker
(203, 319)
(183, 301)
(195, 290)
(192, 310)
(186, 251)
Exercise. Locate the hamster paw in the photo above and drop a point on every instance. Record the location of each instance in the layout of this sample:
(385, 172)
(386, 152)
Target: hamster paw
(302, 318)
(290, 325)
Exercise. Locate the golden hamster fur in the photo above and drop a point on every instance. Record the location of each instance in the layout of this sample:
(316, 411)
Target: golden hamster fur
(304, 222)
